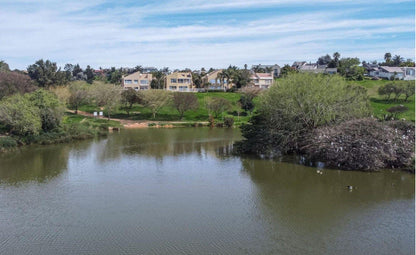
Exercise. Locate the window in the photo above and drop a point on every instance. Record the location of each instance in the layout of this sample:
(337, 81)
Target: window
(136, 81)
(183, 88)
(173, 80)
(144, 82)
(127, 82)
(187, 81)
(144, 87)
(212, 81)
(180, 80)
(172, 87)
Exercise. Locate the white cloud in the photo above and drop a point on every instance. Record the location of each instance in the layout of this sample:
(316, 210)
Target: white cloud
(66, 32)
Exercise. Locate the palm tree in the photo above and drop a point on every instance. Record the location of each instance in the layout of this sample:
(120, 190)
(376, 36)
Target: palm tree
(387, 57)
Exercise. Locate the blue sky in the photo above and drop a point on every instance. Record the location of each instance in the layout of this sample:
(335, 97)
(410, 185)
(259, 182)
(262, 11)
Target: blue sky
(195, 33)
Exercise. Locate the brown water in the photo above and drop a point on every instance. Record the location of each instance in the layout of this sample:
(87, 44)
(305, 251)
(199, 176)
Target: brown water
(179, 191)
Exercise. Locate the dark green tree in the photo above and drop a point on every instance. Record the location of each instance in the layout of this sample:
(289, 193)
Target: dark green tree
(130, 97)
(89, 72)
(46, 74)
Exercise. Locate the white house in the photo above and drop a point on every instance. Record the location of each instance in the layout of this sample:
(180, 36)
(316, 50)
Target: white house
(386, 72)
(409, 73)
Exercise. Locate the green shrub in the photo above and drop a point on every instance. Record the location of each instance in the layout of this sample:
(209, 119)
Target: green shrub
(297, 104)
(228, 121)
(7, 142)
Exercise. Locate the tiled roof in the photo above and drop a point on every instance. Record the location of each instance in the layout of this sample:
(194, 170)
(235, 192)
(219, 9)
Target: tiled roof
(391, 69)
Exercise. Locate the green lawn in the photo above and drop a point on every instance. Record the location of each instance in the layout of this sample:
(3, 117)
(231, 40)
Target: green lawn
(169, 113)
(380, 105)
(71, 118)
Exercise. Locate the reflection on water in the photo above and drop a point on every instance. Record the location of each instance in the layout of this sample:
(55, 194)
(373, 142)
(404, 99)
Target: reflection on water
(170, 191)
(36, 163)
(308, 207)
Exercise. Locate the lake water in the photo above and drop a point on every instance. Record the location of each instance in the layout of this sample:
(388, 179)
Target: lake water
(179, 191)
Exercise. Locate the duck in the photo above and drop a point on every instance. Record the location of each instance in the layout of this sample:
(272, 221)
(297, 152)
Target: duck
(349, 187)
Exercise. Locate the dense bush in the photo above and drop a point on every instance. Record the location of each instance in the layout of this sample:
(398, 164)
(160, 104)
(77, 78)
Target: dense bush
(19, 116)
(7, 142)
(228, 121)
(296, 105)
(363, 144)
(406, 88)
(13, 82)
(50, 108)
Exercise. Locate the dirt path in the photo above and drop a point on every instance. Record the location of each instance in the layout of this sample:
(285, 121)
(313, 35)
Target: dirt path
(138, 123)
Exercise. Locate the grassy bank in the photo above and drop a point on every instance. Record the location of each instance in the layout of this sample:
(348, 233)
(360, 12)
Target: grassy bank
(74, 127)
(379, 104)
(169, 113)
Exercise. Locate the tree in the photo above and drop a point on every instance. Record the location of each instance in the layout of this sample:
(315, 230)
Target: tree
(114, 76)
(240, 78)
(397, 60)
(78, 95)
(398, 90)
(349, 68)
(324, 60)
(409, 62)
(217, 105)
(158, 81)
(13, 82)
(20, 116)
(156, 99)
(197, 80)
(287, 69)
(138, 68)
(51, 110)
(355, 73)
(408, 89)
(387, 57)
(107, 96)
(246, 103)
(183, 102)
(89, 72)
(386, 90)
(4, 67)
(298, 104)
(247, 96)
(69, 68)
(334, 63)
(76, 70)
(130, 97)
(46, 74)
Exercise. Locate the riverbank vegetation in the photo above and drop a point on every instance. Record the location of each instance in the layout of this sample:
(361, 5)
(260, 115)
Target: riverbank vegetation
(326, 119)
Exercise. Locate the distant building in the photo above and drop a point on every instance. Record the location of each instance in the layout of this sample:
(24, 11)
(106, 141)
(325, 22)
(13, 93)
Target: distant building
(137, 81)
(149, 69)
(297, 64)
(179, 81)
(262, 80)
(409, 73)
(312, 68)
(215, 82)
(275, 69)
(386, 72)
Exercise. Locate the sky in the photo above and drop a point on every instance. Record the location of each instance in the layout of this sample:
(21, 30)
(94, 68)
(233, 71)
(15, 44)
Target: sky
(193, 33)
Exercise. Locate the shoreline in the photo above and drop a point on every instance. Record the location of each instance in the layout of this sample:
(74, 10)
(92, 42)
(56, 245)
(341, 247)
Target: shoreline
(135, 124)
